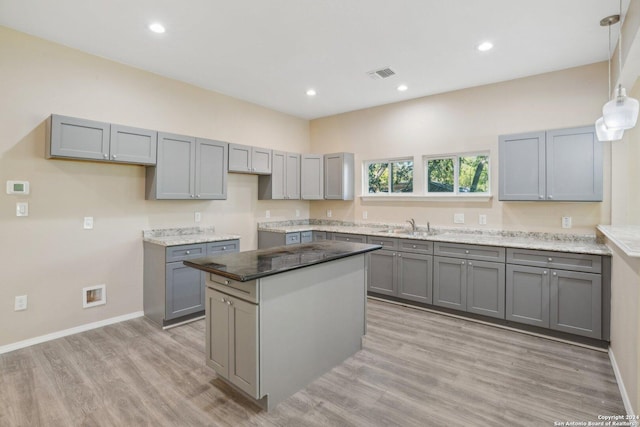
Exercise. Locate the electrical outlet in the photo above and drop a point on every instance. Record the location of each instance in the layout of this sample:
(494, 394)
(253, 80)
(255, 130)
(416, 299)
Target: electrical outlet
(566, 222)
(88, 222)
(297, 213)
(20, 303)
(458, 218)
(22, 209)
(365, 214)
(197, 217)
(329, 213)
(482, 219)
(267, 214)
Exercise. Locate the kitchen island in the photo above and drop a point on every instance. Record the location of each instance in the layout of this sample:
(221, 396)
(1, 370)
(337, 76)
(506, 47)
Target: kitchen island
(278, 318)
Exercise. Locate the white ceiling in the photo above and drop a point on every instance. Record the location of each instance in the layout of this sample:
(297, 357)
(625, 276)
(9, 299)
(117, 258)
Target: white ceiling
(271, 51)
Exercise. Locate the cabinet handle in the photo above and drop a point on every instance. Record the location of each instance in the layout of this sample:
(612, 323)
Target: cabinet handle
(188, 252)
(550, 259)
(544, 272)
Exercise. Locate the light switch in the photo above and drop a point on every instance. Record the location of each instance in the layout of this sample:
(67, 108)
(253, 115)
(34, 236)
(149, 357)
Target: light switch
(88, 222)
(22, 209)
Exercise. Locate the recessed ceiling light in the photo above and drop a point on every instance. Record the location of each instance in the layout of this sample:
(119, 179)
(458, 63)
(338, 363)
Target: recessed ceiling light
(485, 46)
(157, 27)
(311, 92)
(402, 88)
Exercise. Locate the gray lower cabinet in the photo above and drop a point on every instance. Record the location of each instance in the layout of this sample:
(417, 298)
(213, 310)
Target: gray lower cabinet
(248, 159)
(318, 235)
(312, 177)
(171, 289)
(74, 138)
(556, 165)
(401, 273)
(284, 181)
(269, 239)
(188, 168)
(469, 278)
(345, 237)
(339, 176)
(567, 301)
(232, 340)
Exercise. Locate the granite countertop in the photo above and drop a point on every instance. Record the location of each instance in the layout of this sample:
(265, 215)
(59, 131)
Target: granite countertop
(251, 265)
(185, 236)
(626, 237)
(584, 244)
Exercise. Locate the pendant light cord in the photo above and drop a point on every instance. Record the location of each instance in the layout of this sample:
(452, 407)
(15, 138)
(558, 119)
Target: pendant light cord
(619, 50)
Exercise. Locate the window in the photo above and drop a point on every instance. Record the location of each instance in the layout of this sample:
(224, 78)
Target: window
(458, 174)
(389, 176)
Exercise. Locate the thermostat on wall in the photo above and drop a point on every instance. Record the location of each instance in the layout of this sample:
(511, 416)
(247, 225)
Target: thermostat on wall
(17, 187)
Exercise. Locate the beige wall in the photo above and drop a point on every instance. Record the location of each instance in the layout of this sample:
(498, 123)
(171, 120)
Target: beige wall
(469, 120)
(48, 256)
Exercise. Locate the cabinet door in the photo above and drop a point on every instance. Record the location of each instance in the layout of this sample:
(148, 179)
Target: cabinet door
(311, 177)
(175, 169)
(319, 235)
(338, 176)
(486, 288)
(133, 145)
(382, 272)
(576, 303)
(239, 158)
(211, 169)
(306, 236)
(450, 283)
(243, 345)
(184, 292)
(522, 166)
(527, 292)
(353, 238)
(292, 183)
(260, 160)
(217, 332)
(574, 165)
(78, 138)
(415, 277)
(277, 180)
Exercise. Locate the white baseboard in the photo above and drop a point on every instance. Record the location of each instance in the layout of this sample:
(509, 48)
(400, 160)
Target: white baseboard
(54, 335)
(623, 390)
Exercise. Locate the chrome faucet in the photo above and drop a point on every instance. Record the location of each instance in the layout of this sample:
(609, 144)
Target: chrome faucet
(413, 224)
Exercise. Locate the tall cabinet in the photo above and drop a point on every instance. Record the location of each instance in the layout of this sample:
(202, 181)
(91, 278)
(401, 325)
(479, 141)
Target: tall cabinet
(339, 176)
(284, 181)
(188, 168)
(554, 165)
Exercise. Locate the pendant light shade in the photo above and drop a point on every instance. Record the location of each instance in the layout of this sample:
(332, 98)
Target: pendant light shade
(606, 134)
(621, 112)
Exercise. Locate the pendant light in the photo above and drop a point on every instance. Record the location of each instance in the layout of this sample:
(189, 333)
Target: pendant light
(622, 111)
(602, 131)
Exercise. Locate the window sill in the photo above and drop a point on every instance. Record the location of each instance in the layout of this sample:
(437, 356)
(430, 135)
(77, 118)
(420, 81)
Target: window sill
(424, 198)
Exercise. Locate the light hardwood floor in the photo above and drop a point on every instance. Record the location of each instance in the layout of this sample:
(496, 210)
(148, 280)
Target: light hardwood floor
(417, 369)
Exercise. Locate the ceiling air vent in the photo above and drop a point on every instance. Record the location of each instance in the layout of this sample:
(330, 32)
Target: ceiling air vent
(383, 73)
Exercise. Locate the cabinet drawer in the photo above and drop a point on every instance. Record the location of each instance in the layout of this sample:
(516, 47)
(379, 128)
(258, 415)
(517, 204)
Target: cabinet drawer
(306, 236)
(353, 238)
(182, 252)
(247, 291)
(385, 242)
(560, 260)
(219, 248)
(292, 238)
(481, 253)
(415, 246)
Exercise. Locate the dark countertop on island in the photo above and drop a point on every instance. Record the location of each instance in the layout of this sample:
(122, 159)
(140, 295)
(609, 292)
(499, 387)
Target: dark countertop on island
(251, 265)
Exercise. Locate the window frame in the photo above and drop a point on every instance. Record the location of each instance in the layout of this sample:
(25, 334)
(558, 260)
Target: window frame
(388, 193)
(456, 174)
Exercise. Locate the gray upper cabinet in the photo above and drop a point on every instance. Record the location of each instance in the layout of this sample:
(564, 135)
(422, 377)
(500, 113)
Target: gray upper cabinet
(247, 159)
(312, 177)
(557, 165)
(74, 138)
(339, 176)
(284, 181)
(188, 168)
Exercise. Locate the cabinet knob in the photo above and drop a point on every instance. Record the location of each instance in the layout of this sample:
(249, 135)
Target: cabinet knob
(223, 300)
(114, 156)
(399, 254)
(224, 248)
(188, 252)
(198, 196)
(470, 264)
(414, 246)
(550, 259)
(544, 272)
(347, 239)
(226, 282)
(191, 195)
(541, 196)
(229, 302)
(462, 263)
(394, 254)
(555, 274)
(466, 252)
(105, 155)
(551, 197)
